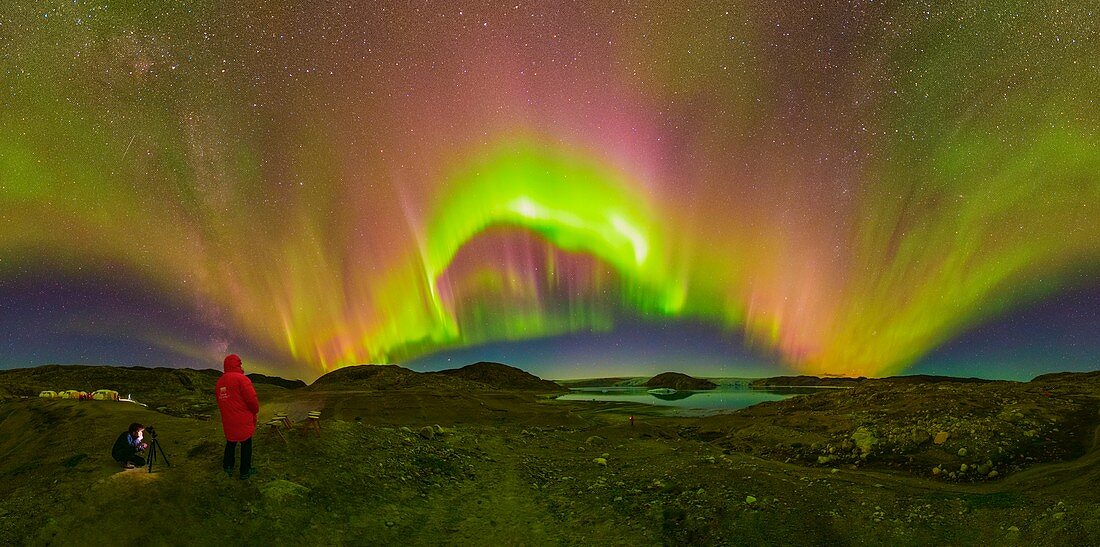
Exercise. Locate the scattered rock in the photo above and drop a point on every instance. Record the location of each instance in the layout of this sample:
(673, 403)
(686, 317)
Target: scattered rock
(595, 439)
(750, 500)
(941, 437)
(427, 432)
(962, 452)
(438, 429)
(600, 461)
(865, 440)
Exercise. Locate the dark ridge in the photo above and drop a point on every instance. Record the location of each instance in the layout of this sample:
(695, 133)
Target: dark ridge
(1093, 376)
(389, 377)
(678, 381)
(932, 379)
(177, 391)
(258, 378)
(799, 381)
(809, 381)
(30, 381)
(500, 376)
(596, 382)
(368, 376)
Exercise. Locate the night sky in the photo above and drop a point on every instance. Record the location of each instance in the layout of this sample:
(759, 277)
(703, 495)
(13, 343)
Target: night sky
(579, 188)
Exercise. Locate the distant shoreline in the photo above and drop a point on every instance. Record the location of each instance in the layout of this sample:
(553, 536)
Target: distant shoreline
(779, 381)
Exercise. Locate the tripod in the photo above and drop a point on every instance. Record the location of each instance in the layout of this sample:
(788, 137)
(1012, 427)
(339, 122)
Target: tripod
(154, 447)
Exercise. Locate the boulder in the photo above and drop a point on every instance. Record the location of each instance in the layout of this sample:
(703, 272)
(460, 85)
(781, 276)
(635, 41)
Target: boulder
(865, 440)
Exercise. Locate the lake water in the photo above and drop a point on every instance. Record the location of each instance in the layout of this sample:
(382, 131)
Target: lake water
(721, 398)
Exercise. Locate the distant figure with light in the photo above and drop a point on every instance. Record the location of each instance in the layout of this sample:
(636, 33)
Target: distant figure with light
(239, 407)
(127, 445)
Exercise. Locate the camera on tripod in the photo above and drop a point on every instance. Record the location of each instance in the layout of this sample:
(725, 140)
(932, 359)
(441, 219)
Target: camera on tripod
(155, 448)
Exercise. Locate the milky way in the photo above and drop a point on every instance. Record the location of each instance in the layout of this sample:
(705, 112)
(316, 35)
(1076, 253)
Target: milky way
(846, 186)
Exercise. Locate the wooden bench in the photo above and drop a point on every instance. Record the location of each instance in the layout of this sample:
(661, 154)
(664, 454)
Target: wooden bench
(313, 423)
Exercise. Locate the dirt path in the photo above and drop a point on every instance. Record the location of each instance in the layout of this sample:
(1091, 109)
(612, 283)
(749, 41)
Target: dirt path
(473, 512)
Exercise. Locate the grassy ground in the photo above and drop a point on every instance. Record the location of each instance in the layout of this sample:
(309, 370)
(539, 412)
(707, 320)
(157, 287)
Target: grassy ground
(509, 468)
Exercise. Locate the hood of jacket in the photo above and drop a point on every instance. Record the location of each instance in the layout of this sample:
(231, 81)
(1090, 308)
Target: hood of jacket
(232, 363)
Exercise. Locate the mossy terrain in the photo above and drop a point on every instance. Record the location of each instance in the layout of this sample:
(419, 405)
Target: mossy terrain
(417, 465)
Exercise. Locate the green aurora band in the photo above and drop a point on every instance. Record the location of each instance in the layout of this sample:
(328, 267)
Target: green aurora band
(850, 187)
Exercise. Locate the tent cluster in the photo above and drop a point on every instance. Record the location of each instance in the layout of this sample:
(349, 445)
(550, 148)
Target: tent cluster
(97, 395)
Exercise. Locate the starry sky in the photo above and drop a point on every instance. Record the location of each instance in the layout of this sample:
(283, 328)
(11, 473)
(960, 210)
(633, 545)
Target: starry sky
(581, 188)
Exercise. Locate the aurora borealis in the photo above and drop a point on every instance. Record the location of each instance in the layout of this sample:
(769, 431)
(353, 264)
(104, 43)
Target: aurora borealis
(843, 187)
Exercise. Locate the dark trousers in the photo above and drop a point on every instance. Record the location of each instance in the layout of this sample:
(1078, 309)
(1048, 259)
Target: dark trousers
(246, 455)
(138, 461)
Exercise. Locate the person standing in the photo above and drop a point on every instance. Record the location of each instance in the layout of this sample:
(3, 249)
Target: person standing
(239, 407)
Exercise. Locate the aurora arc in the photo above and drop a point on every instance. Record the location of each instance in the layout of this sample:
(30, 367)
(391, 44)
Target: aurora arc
(850, 188)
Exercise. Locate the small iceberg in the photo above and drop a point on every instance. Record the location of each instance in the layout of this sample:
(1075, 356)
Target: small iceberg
(661, 391)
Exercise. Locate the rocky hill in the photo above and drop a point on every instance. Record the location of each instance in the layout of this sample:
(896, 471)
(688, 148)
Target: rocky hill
(679, 382)
(258, 378)
(387, 377)
(1087, 377)
(501, 376)
(475, 377)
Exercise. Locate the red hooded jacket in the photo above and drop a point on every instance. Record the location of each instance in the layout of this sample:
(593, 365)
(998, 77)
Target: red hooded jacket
(237, 401)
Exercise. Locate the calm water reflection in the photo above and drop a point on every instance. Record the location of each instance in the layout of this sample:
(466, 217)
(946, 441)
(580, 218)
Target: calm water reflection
(722, 398)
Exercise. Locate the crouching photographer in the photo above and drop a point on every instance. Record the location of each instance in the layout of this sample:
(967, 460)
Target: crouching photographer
(128, 445)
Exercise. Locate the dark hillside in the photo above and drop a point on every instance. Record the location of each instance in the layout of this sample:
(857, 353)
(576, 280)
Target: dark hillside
(388, 377)
(681, 382)
(501, 376)
(182, 392)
